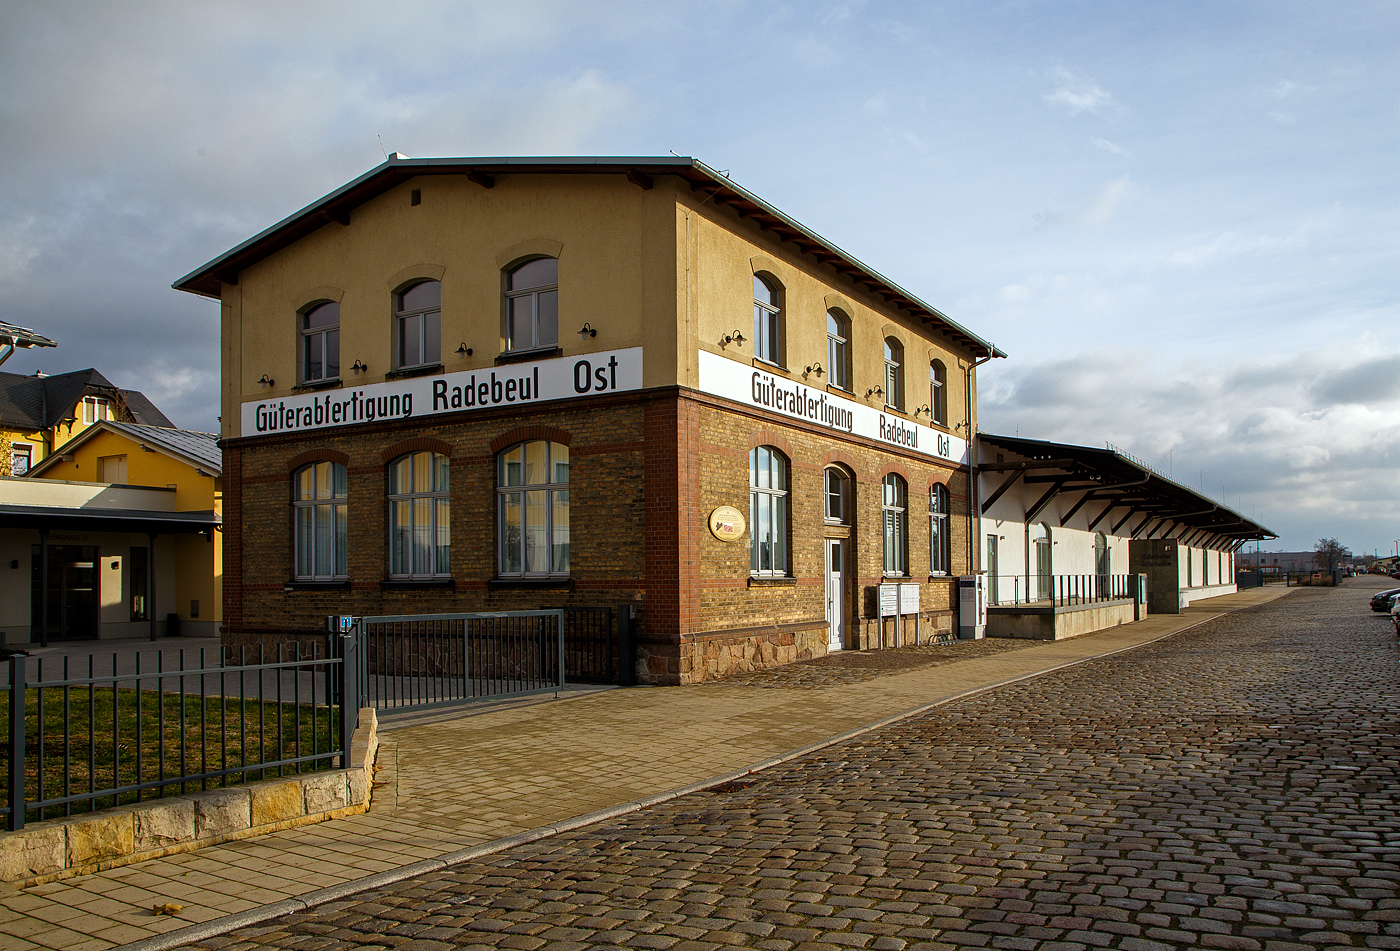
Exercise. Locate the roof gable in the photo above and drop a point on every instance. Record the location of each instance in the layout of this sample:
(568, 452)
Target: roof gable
(196, 449)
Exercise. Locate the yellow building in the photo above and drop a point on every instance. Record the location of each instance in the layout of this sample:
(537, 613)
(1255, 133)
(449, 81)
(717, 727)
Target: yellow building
(496, 384)
(117, 535)
(39, 412)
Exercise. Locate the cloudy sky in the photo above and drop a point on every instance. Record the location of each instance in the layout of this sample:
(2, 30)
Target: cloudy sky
(1181, 220)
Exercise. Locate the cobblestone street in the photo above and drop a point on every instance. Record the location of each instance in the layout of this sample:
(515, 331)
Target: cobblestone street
(1234, 786)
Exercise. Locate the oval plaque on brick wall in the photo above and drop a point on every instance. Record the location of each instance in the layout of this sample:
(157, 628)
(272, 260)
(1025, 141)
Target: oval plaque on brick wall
(727, 523)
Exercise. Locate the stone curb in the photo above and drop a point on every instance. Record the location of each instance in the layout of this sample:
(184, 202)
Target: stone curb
(253, 916)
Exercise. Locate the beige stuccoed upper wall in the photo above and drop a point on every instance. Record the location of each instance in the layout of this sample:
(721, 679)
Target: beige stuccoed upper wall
(661, 269)
(726, 251)
(613, 239)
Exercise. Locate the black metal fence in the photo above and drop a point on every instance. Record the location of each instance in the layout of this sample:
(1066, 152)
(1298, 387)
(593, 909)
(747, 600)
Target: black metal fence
(418, 660)
(108, 734)
(590, 646)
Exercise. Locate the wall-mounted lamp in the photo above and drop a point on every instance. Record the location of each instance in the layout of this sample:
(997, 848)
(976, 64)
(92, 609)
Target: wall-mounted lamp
(588, 331)
(464, 351)
(923, 409)
(265, 380)
(357, 367)
(814, 368)
(736, 337)
(874, 391)
(203, 473)
(145, 448)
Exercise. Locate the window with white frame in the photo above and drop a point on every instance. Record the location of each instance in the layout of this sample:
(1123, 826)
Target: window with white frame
(532, 491)
(894, 373)
(768, 513)
(320, 343)
(320, 507)
(894, 511)
(96, 408)
(420, 523)
(838, 349)
(938, 393)
(532, 305)
(418, 317)
(838, 496)
(21, 457)
(767, 320)
(939, 542)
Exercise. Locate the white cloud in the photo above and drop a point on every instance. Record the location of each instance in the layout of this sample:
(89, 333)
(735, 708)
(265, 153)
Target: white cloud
(1264, 434)
(1108, 146)
(1233, 244)
(1287, 87)
(1107, 202)
(1079, 94)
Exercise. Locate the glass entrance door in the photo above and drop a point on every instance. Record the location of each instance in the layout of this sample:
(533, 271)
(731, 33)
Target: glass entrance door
(72, 593)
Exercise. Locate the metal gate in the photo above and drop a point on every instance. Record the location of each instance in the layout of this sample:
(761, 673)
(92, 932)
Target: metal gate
(590, 646)
(409, 661)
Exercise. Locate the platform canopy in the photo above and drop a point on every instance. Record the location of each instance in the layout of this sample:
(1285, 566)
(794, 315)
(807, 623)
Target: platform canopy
(1139, 496)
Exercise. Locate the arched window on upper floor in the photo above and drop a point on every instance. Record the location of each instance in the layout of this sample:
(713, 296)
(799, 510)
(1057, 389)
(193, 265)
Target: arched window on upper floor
(938, 393)
(838, 349)
(418, 321)
(894, 373)
(319, 327)
(532, 305)
(767, 320)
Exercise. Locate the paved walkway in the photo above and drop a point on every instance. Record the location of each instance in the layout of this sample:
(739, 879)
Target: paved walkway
(448, 786)
(1235, 787)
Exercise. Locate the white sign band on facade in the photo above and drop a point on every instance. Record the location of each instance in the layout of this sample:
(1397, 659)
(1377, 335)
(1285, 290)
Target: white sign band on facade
(558, 378)
(776, 394)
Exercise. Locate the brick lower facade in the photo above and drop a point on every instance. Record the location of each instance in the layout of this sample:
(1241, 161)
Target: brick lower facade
(645, 470)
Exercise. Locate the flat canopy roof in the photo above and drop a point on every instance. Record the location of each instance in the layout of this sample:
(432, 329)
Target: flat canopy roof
(336, 207)
(1109, 475)
(107, 520)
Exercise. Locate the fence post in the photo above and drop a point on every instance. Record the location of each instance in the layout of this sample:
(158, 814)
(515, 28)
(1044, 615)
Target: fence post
(349, 691)
(626, 646)
(17, 731)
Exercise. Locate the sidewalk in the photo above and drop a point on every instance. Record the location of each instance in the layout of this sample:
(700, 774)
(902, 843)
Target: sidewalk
(465, 783)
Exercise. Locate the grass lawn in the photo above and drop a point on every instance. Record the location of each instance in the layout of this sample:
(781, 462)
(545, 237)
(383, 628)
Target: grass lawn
(98, 739)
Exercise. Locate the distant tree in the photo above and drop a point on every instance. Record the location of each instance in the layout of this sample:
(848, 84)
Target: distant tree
(1328, 553)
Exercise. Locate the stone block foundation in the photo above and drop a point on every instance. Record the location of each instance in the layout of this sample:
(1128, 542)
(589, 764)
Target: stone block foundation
(80, 845)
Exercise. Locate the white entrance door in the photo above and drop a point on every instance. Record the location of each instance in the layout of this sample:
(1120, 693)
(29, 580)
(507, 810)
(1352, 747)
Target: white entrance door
(835, 595)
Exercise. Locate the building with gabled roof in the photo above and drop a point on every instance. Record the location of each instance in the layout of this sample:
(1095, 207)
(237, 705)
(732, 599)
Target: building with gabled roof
(483, 384)
(39, 412)
(118, 534)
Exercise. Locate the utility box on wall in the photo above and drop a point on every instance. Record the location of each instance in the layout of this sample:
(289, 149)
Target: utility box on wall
(1157, 559)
